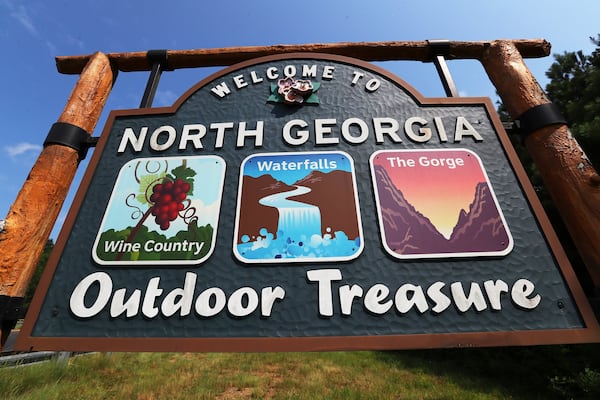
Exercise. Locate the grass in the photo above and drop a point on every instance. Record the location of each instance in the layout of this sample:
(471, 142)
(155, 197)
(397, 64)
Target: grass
(515, 373)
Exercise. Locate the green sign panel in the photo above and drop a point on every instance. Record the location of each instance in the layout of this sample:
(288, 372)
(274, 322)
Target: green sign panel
(306, 202)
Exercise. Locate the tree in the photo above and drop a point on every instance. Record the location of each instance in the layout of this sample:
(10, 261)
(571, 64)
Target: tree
(575, 88)
(35, 279)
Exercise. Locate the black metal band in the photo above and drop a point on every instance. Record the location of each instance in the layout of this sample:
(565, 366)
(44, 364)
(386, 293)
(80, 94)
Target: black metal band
(72, 136)
(158, 60)
(158, 57)
(438, 47)
(11, 308)
(538, 117)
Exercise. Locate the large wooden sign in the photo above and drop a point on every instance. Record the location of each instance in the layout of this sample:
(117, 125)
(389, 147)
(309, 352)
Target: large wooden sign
(306, 202)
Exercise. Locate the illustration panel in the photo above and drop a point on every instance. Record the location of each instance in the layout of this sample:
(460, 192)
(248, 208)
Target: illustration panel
(162, 211)
(296, 207)
(437, 203)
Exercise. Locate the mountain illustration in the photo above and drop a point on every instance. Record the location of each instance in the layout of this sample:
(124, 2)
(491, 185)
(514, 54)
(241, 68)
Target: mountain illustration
(407, 231)
(481, 229)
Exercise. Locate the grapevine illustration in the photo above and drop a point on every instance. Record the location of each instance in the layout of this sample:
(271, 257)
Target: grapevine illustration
(169, 199)
(165, 193)
(155, 217)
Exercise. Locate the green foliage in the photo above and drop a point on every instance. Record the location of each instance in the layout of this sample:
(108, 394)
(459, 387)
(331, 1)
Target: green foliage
(184, 173)
(194, 233)
(575, 88)
(147, 182)
(39, 269)
(584, 385)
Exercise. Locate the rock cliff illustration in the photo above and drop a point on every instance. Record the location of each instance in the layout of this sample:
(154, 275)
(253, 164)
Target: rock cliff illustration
(408, 232)
(334, 195)
(253, 215)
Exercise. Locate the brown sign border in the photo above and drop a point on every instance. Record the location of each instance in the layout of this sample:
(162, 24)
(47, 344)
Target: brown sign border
(590, 334)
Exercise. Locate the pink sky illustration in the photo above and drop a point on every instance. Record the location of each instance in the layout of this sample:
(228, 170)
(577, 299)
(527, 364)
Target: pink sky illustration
(438, 192)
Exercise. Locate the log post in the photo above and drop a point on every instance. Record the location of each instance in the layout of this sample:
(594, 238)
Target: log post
(570, 178)
(34, 212)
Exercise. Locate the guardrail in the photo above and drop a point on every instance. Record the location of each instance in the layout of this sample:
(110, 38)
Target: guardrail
(21, 359)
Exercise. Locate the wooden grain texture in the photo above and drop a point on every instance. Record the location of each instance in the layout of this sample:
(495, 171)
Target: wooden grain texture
(367, 51)
(568, 174)
(34, 212)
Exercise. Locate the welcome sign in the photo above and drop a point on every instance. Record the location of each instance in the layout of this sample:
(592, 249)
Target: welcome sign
(305, 202)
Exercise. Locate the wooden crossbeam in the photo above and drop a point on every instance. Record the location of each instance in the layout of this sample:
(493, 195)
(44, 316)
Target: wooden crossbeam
(367, 51)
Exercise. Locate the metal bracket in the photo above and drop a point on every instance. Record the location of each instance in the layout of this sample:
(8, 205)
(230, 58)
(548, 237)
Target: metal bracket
(158, 60)
(11, 308)
(72, 136)
(538, 117)
(439, 49)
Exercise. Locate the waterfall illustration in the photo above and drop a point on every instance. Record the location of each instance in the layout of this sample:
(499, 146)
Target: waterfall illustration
(295, 218)
(300, 207)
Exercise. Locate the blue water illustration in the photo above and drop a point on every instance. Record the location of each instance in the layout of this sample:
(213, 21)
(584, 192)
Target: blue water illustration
(295, 218)
(299, 233)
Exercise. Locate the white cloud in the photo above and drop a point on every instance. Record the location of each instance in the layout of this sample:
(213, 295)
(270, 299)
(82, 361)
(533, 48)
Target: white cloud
(51, 47)
(22, 148)
(76, 42)
(21, 14)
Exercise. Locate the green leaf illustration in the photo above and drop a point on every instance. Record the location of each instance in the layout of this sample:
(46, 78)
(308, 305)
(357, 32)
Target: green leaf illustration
(186, 174)
(275, 98)
(147, 182)
(312, 99)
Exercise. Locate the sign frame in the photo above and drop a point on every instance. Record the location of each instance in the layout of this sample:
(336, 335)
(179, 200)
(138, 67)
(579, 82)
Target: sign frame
(322, 343)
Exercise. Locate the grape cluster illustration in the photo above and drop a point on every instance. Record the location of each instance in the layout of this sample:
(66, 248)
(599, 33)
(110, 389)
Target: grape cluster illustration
(168, 198)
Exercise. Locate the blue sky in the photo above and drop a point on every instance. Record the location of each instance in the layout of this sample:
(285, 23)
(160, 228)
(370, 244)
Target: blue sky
(32, 33)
